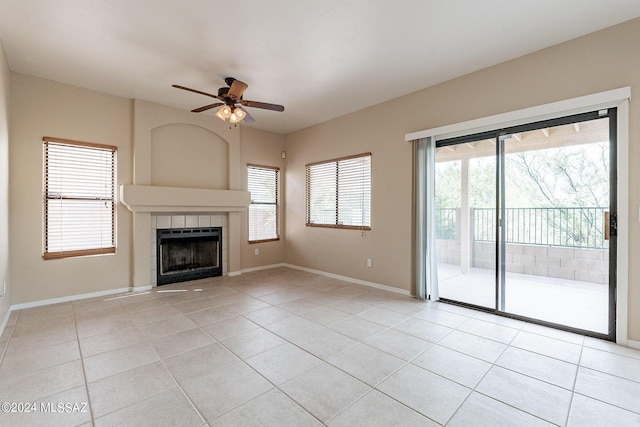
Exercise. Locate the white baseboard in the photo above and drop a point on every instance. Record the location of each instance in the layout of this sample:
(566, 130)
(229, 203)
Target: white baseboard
(263, 267)
(348, 279)
(332, 275)
(4, 322)
(68, 298)
(633, 344)
(142, 288)
(234, 273)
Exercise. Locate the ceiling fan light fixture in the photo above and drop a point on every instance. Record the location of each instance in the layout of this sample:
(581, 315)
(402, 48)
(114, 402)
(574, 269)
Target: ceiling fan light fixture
(224, 112)
(240, 113)
(234, 118)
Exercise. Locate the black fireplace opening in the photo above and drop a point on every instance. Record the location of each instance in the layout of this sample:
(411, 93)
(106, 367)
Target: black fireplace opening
(188, 254)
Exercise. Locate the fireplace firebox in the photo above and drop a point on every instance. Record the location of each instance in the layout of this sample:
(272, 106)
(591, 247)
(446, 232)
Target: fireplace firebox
(188, 254)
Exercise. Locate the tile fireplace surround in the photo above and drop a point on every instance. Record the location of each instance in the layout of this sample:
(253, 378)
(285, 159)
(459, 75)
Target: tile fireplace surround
(160, 221)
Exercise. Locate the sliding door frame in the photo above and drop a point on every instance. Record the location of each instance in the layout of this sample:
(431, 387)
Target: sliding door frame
(612, 98)
(499, 136)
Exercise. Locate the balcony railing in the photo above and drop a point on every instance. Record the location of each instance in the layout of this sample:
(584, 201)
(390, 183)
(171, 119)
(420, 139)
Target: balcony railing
(569, 227)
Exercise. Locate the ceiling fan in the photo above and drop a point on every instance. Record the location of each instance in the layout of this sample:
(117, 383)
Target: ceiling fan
(231, 96)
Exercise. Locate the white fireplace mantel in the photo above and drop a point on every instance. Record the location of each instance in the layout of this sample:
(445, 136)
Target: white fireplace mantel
(153, 198)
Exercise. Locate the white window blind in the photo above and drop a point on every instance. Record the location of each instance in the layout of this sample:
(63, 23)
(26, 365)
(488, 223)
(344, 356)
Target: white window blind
(339, 192)
(79, 198)
(262, 183)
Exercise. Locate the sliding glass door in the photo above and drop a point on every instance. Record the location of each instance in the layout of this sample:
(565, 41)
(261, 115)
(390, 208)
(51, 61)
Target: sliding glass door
(525, 221)
(465, 195)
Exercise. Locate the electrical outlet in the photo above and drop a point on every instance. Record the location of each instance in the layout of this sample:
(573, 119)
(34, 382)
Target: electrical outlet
(369, 263)
(256, 251)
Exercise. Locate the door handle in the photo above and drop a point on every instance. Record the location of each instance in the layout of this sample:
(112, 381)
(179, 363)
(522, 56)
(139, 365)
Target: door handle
(607, 225)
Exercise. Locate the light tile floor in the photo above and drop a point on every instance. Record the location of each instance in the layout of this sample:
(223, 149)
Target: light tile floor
(283, 347)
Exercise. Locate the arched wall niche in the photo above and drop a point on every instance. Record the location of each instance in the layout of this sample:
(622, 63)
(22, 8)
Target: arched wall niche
(149, 117)
(190, 156)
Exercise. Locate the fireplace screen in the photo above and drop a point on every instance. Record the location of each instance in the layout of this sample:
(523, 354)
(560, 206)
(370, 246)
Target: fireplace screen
(188, 254)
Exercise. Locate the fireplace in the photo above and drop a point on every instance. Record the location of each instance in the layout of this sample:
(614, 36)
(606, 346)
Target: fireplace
(188, 254)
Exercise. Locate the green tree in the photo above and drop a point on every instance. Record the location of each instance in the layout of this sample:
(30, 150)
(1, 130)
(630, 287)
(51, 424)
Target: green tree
(573, 176)
(448, 184)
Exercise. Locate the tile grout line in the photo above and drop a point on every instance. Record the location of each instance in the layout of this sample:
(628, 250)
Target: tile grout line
(493, 364)
(483, 376)
(371, 388)
(175, 380)
(84, 373)
(162, 362)
(219, 342)
(358, 342)
(13, 328)
(374, 387)
(573, 388)
(147, 341)
(275, 386)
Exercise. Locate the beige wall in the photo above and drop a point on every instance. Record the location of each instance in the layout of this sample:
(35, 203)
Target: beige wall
(5, 88)
(45, 108)
(262, 148)
(594, 63)
(185, 155)
(345, 252)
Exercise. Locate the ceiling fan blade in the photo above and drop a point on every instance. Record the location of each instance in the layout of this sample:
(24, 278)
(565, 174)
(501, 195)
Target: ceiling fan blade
(263, 105)
(237, 89)
(207, 107)
(248, 118)
(197, 91)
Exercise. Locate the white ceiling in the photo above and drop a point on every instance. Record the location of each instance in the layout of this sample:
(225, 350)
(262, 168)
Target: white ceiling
(319, 58)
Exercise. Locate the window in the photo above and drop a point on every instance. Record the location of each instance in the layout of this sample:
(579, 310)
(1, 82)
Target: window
(262, 183)
(79, 198)
(339, 193)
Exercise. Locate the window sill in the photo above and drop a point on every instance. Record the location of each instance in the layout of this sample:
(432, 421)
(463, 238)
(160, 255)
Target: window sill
(348, 227)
